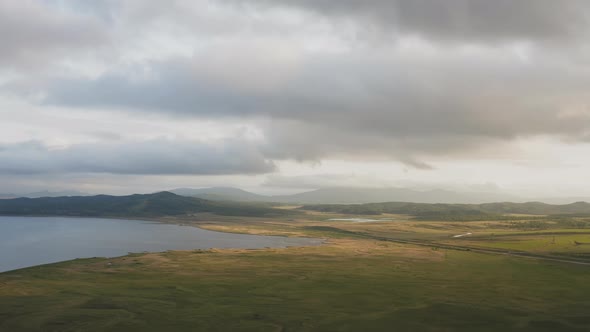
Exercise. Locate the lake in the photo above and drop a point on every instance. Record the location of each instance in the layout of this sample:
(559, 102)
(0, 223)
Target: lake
(29, 241)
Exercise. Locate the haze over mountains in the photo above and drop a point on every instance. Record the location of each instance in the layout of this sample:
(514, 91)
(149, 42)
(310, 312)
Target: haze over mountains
(45, 193)
(366, 195)
(331, 195)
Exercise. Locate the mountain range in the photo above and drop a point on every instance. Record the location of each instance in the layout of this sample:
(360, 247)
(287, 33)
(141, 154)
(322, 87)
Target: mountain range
(169, 204)
(337, 196)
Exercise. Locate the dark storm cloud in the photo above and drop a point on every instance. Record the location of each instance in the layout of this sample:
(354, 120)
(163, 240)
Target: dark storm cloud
(31, 33)
(156, 157)
(478, 21)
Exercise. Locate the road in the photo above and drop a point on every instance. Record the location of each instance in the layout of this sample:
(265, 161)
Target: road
(481, 250)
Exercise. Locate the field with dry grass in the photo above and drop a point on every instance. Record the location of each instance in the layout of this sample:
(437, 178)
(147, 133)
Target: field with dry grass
(360, 279)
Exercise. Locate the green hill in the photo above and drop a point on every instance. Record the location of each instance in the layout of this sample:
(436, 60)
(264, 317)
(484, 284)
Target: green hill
(148, 205)
(454, 211)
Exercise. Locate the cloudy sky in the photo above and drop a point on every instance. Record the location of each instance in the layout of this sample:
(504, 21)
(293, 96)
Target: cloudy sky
(286, 95)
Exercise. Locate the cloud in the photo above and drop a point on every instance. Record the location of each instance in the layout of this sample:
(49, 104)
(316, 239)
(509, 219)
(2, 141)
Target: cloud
(33, 35)
(478, 21)
(155, 157)
(398, 104)
(457, 78)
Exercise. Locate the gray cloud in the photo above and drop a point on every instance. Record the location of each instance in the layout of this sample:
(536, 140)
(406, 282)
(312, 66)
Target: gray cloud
(389, 105)
(458, 20)
(156, 157)
(174, 89)
(463, 88)
(31, 33)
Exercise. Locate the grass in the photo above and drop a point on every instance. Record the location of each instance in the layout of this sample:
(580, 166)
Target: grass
(350, 284)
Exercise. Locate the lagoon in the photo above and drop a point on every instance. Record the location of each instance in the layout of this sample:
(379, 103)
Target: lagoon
(30, 241)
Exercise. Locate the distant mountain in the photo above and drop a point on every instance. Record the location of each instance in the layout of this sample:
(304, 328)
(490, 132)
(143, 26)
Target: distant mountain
(170, 204)
(563, 200)
(149, 205)
(45, 193)
(63, 193)
(222, 194)
(348, 196)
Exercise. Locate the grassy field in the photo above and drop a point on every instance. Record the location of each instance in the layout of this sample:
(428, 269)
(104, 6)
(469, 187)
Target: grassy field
(352, 283)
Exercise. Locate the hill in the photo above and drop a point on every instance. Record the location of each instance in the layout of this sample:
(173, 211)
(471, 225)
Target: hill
(149, 205)
(454, 211)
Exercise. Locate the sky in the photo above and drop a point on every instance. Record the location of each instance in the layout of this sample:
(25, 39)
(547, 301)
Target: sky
(124, 96)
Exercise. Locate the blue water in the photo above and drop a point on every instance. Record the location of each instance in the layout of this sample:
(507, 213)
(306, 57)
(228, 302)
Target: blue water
(29, 241)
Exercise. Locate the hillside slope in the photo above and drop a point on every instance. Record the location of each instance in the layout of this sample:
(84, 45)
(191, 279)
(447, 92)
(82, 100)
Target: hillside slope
(454, 210)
